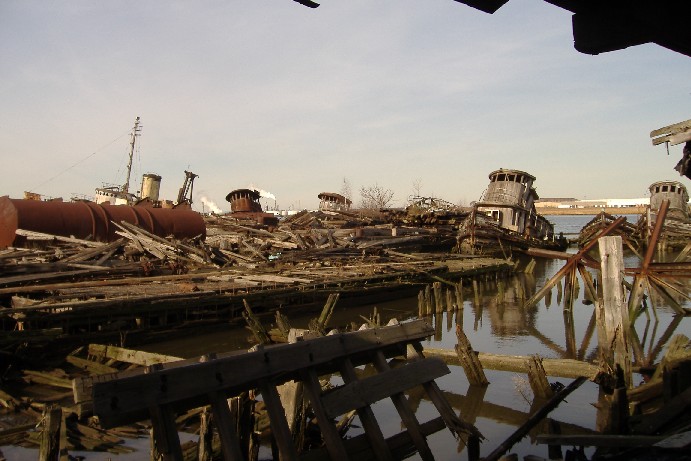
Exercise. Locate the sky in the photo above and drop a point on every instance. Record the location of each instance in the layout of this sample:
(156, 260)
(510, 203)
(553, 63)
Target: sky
(424, 96)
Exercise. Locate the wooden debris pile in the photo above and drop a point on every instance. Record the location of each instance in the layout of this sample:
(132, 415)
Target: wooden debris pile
(629, 232)
(33, 401)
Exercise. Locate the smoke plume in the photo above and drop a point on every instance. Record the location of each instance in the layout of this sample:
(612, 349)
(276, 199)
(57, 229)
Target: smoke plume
(211, 205)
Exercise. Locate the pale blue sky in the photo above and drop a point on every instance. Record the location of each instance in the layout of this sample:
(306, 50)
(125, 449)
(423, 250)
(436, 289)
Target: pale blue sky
(293, 100)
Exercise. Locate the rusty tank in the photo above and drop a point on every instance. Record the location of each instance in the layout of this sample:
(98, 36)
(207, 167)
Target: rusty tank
(89, 220)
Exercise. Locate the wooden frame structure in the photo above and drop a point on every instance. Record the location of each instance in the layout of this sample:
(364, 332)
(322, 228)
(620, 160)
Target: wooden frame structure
(158, 392)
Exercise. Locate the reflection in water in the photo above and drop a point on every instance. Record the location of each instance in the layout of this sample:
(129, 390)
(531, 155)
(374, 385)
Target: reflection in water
(495, 321)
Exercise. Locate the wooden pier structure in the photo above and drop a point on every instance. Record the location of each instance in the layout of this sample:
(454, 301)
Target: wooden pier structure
(158, 392)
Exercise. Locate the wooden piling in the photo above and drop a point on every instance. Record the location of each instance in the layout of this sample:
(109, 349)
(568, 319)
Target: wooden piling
(469, 360)
(438, 298)
(421, 310)
(449, 300)
(614, 344)
(205, 451)
(459, 295)
(428, 301)
(49, 449)
(538, 378)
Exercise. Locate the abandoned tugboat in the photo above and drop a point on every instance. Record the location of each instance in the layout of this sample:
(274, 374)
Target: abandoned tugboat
(505, 219)
(676, 231)
(244, 205)
(329, 201)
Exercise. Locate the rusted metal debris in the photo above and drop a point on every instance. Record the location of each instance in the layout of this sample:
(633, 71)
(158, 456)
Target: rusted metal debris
(88, 220)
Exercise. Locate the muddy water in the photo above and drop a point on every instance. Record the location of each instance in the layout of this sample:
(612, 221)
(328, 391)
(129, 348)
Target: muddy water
(495, 322)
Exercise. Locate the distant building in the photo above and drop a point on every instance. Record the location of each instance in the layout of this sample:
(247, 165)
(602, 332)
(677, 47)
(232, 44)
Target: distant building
(595, 203)
(329, 201)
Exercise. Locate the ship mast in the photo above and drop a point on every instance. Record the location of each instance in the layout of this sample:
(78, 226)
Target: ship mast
(135, 133)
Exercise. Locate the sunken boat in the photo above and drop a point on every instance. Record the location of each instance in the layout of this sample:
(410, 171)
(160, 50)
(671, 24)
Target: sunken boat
(676, 228)
(505, 218)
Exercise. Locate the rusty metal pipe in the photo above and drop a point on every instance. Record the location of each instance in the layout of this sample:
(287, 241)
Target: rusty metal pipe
(91, 220)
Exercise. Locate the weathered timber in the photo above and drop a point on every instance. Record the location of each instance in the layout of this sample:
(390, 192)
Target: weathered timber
(406, 413)
(469, 360)
(50, 434)
(534, 419)
(129, 355)
(372, 430)
(454, 422)
(91, 366)
(138, 388)
(614, 345)
(565, 368)
(538, 378)
(572, 262)
(270, 366)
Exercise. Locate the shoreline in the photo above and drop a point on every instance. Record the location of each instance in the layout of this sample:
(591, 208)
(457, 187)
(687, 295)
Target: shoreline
(617, 211)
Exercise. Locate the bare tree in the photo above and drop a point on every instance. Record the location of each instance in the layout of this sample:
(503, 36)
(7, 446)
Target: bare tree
(375, 197)
(417, 187)
(347, 189)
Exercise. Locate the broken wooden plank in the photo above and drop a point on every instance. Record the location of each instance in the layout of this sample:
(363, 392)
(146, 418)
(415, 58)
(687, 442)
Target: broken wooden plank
(564, 368)
(367, 391)
(136, 389)
(129, 355)
(666, 133)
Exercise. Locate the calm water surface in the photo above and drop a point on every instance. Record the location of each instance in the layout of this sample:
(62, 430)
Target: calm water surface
(497, 324)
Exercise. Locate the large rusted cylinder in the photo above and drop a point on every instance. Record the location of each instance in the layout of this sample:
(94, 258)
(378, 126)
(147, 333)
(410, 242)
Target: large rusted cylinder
(90, 220)
(244, 200)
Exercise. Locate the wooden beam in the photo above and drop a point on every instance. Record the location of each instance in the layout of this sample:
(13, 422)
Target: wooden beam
(564, 368)
(126, 399)
(372, 389)
(671, 129)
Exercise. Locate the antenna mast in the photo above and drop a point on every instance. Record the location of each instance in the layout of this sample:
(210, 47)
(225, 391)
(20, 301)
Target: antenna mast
(135, 132)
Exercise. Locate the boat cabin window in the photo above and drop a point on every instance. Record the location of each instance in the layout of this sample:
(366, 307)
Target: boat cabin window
(495, 214)
(672, 188)
(664, 188)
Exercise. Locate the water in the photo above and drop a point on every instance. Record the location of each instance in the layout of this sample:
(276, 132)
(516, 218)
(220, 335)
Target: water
(497, 324)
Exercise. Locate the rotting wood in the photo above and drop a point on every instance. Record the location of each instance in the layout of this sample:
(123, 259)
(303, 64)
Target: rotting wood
(538, 379)
(469, 360)
(564, 368)
(614, 345)
(320, 357)
(571, 263)
(129, 355)
(50, 434)
(372, 430)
